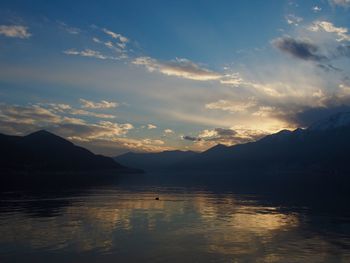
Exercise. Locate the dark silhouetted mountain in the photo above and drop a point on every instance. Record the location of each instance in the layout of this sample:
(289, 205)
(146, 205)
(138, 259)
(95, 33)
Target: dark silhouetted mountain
(153, 161)
(44, 151)
(325, 146)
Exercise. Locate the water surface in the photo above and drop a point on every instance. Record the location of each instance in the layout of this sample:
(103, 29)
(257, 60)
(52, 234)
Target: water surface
(119, 224)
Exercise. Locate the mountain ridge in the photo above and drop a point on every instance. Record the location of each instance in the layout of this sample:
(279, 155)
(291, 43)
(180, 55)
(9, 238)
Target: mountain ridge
(46, 151)
(298, 150)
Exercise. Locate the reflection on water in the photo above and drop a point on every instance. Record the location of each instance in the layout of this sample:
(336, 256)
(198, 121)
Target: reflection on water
(185, 225)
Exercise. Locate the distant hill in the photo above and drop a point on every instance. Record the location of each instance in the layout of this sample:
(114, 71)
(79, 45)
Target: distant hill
(154, 161)
(44, 151)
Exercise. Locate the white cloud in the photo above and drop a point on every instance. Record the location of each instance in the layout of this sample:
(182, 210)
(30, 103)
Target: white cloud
(14, 31)
(180, 67)
(103, 104)
(151, 126)
(60, 107)
(96, 40)
(103, 130)
(233, 79)
(85, 53)
(293, 19)
(207, 133)
(316, 9)
(154, 142)
(119, 48)
(227, 136)
(114, 35)
(168, 131)
(73, 120)
(341, 32)
(184, 68)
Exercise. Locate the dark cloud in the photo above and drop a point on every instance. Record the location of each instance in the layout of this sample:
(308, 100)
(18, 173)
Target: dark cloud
(299, 48)
(342, 51)
(311, 115)
(329, 67)
(191, 138)
(225, 132)
(226, 136)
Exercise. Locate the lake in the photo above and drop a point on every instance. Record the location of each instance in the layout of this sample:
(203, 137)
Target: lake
(187, 224)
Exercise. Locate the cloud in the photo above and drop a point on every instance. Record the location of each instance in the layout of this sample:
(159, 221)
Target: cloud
(119, 47)
(60, 107)
(151, 126)
(122, 145)
(15, 119)
(191, 138)
(265, 111)
(301, 49)
(69, 29)
(154, 142)
(293, 19)
(38, 117)
(311, 115)
(341, 32)
(231, 106)
(92, 54)
(316, 9)
(227, 136)
(120, 37)
(15, 31)
(109, 138)
(89, 113)
(233, 79)
(104, 136)
(73, 120)
(168, 131)
(102, 130)
(342, 51)
(67, 109)
(85, 53)
(103, 104)
(96, 40)
(27, 114)
(180, 67)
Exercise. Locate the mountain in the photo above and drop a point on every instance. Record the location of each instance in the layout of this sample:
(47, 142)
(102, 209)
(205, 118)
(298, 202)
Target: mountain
(154, 161)
(325, 146)
(44, 151)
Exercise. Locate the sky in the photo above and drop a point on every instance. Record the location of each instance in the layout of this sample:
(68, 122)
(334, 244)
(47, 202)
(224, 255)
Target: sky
(149, 76)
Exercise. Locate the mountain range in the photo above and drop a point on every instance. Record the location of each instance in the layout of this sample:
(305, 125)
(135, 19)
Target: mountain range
(324, 146)
(318, 154)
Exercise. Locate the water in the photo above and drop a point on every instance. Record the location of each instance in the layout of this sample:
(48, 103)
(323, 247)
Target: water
(119, 224)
